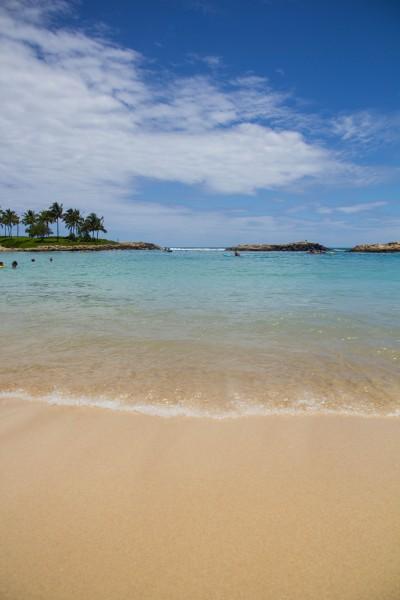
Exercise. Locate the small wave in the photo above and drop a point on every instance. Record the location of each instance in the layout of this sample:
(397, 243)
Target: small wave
(151, 409)
(197, 249)
(237, 409)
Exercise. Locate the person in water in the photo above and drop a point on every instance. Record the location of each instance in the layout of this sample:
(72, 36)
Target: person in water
(14, 264)
(237, 253)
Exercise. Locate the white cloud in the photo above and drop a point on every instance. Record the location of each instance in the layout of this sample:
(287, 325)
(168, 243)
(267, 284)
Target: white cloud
(356, 208)
(351, 208)
(36, 11)
(367, 127)
(80, 115)
(210, 60)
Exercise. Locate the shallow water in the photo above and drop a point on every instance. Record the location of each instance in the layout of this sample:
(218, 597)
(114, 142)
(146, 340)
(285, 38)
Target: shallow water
(197, 332)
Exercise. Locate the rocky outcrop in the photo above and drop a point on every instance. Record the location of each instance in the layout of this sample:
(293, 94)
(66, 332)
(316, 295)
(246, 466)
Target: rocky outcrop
(138, 246)
(292, 247)
(86, 247)
(389, 247)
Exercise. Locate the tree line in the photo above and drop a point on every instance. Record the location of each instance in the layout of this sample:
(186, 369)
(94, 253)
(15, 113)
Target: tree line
(37, 224)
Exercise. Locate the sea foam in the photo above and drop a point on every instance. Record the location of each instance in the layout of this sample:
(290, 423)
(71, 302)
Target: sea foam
(237, 409)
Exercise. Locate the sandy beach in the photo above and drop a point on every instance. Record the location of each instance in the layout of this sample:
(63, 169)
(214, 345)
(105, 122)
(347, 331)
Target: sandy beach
(213, 414)
(97, 504)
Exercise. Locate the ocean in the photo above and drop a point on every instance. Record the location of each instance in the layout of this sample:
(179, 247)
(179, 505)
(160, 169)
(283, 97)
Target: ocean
(198, 332)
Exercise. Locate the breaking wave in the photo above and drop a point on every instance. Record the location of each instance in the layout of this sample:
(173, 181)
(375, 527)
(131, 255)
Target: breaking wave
(237, 409)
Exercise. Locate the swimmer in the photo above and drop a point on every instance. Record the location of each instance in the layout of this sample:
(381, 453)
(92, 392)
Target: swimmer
(14, 264)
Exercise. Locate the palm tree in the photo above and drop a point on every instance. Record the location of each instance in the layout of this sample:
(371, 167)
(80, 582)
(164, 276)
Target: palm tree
(9, 219)
(84, 228)
(93, 224)
(72, 219)
(29, 218)
(17, 221)
(46, 217)
(5, 220)
(90, 223)
(38, 224)
(100, 226)
(56, 211)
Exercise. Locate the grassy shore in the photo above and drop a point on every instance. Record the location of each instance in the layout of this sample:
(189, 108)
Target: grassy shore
(62, 244)
(27, 242)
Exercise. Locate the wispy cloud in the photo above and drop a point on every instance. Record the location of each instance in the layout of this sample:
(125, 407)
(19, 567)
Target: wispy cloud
(351, 209)
(209, 60)
(367, 127)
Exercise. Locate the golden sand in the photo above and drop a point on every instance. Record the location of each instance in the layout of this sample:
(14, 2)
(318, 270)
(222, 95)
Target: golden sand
(102, 505)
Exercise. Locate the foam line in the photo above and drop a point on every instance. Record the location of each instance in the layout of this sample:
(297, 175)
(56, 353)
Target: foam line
(238, 409)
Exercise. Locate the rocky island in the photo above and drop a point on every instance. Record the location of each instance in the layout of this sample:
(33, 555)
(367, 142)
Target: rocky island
(304, 246)
(389, 247)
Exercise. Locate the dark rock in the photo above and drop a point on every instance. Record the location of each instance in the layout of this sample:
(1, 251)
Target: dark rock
(292, 247)
(389, 247)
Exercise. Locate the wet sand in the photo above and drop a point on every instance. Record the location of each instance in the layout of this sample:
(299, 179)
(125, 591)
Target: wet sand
(97, 504)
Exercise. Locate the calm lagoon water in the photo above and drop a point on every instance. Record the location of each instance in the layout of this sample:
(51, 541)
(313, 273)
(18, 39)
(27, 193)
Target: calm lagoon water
(201, 332)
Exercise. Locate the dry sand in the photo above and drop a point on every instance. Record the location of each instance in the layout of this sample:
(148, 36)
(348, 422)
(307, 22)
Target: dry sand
(102, 505)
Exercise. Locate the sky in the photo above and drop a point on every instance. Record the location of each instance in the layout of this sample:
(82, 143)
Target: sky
(205, 122)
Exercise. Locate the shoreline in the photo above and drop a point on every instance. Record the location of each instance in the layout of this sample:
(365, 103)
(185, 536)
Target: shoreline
(101, 504)
(86, 247)
(307, 247)
(178, 411)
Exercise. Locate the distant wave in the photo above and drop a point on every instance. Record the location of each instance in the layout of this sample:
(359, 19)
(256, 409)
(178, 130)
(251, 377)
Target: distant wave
(197, 249)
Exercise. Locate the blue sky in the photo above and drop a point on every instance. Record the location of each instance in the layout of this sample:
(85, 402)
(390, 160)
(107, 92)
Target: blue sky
(205, 122)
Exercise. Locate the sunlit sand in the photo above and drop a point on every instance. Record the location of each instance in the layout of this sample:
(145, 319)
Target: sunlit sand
(99, 504)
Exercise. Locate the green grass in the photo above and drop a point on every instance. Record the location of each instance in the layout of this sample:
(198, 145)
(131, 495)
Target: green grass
(26, 242)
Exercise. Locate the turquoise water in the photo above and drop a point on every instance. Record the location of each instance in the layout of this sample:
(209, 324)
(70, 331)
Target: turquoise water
(203, 332)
